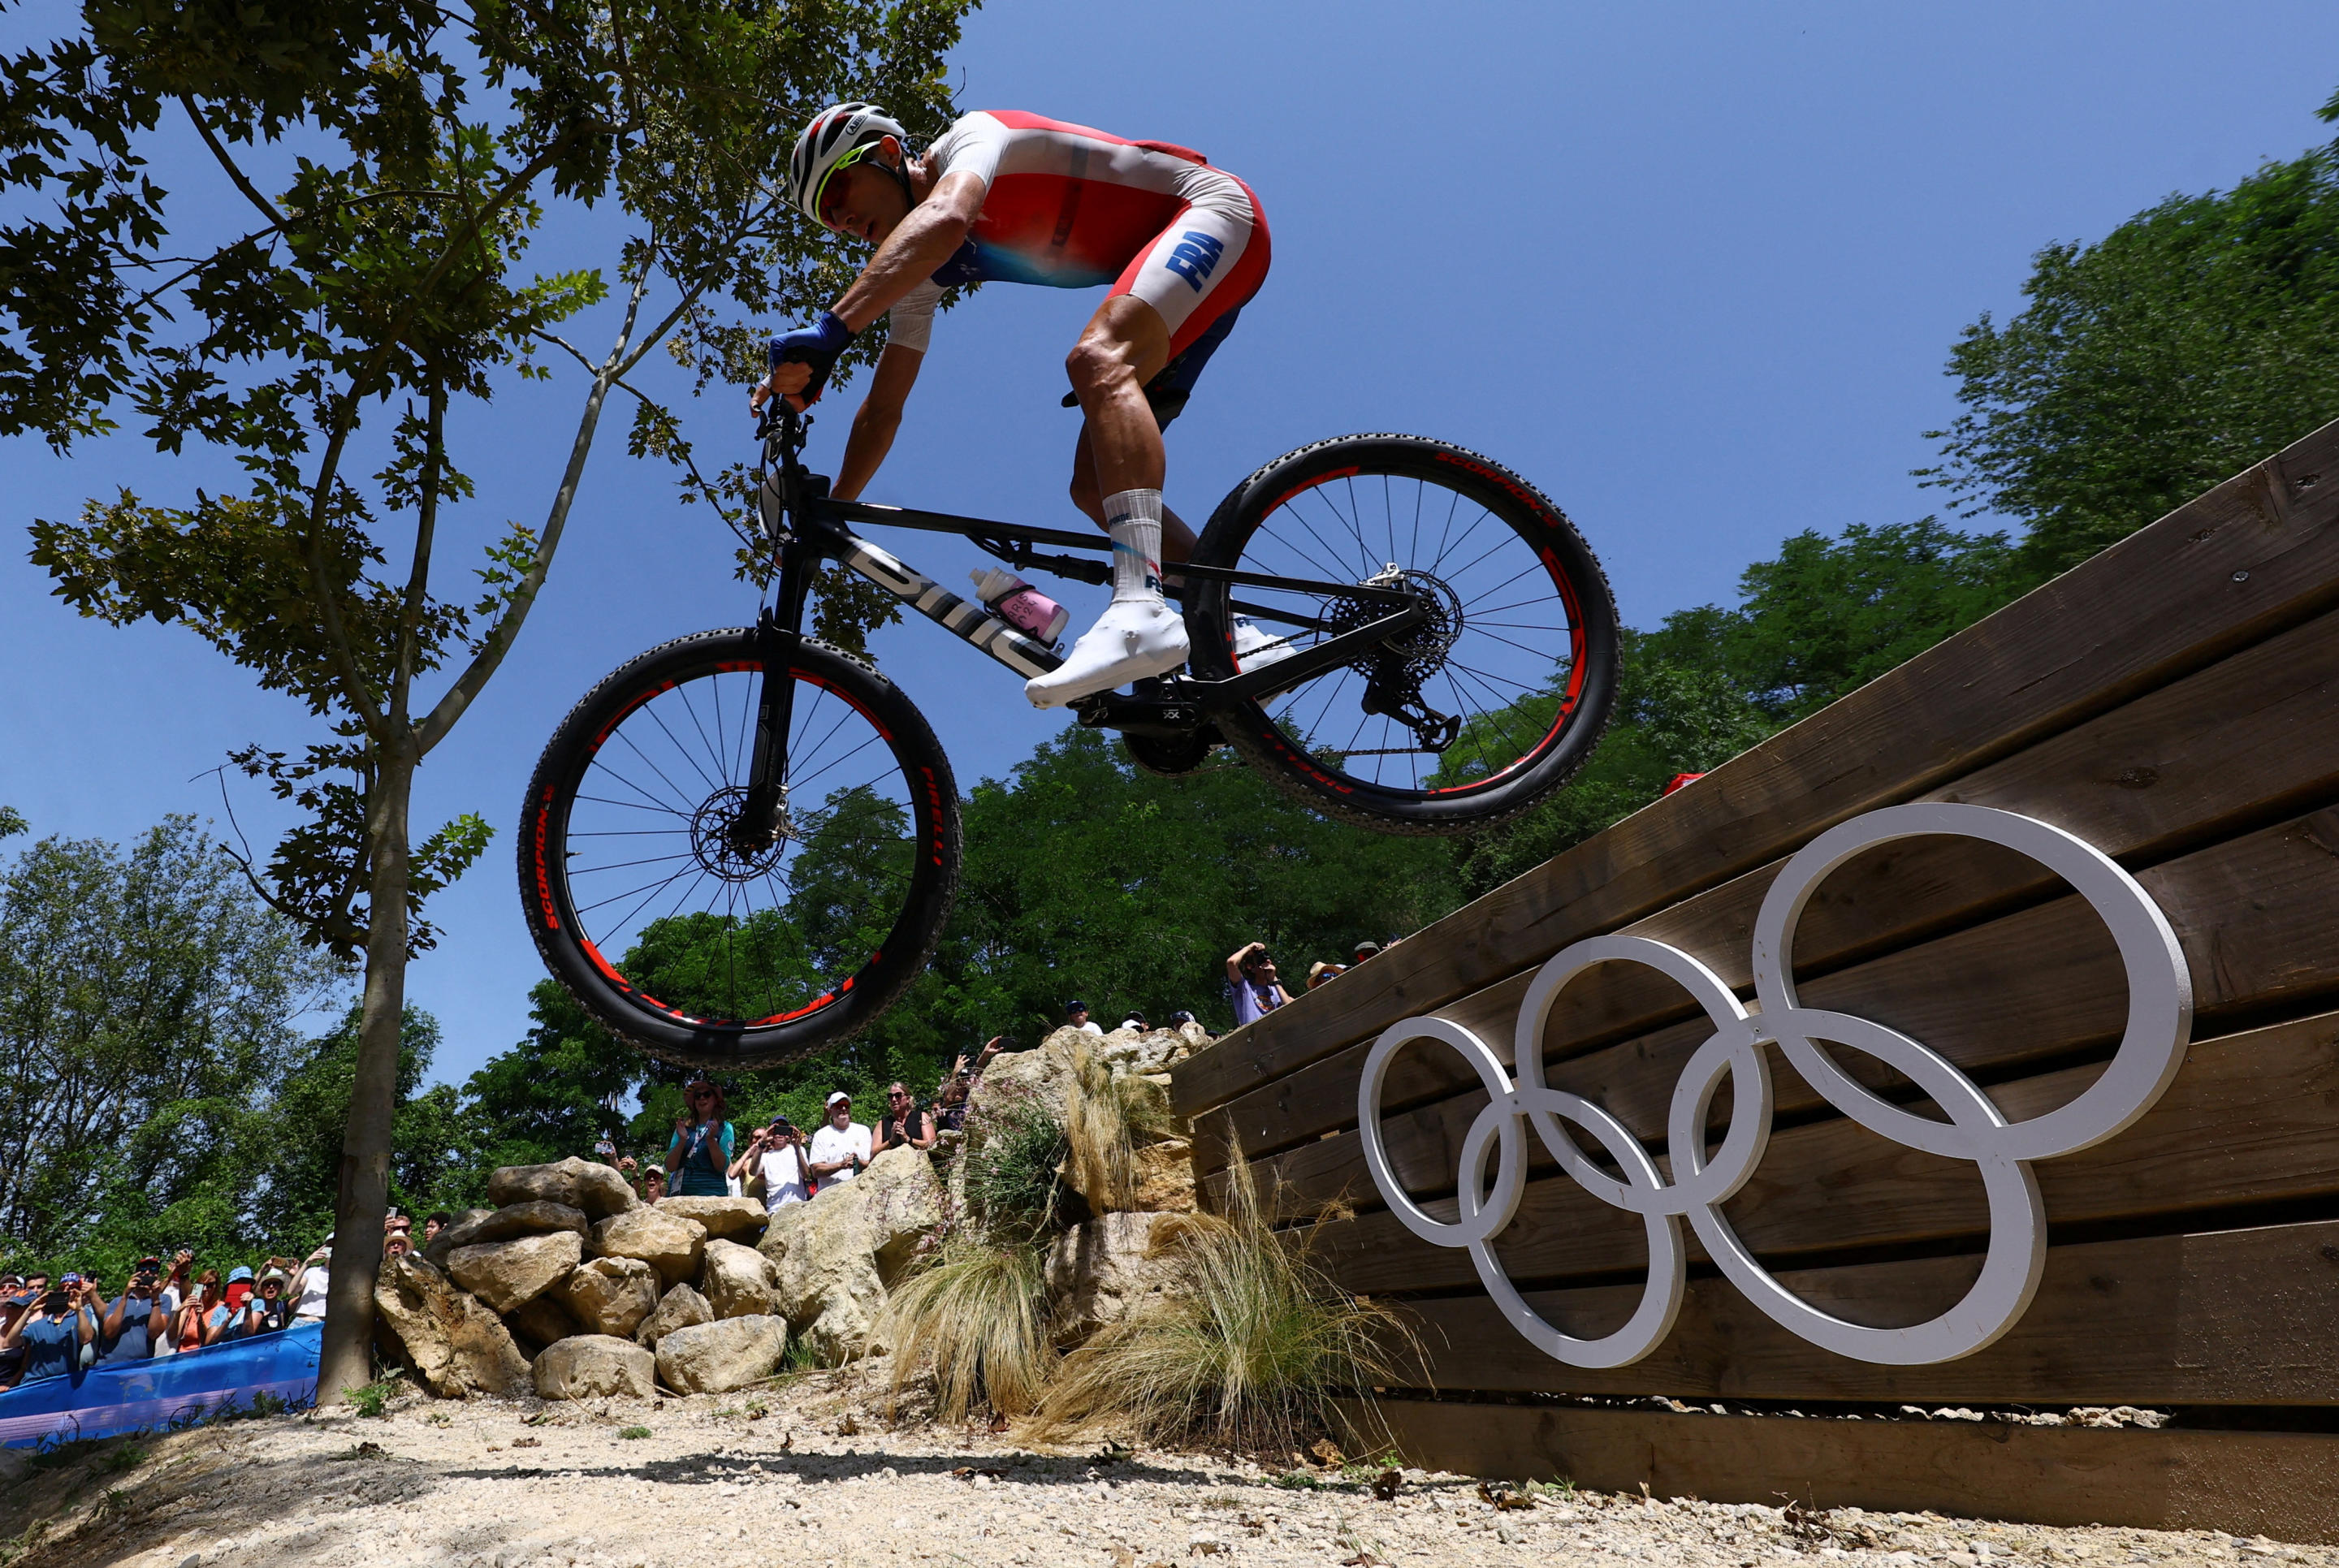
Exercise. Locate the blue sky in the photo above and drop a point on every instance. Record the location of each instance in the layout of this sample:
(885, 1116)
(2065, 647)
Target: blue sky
(1693, 270)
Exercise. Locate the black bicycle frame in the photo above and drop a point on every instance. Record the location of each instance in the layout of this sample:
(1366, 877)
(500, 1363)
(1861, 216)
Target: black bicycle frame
(806, 526)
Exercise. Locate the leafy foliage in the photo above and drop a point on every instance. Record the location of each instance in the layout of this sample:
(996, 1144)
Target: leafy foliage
(147, 1003)
(2181, 348)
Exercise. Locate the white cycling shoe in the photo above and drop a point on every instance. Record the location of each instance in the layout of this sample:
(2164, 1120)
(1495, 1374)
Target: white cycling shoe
(1132, 640)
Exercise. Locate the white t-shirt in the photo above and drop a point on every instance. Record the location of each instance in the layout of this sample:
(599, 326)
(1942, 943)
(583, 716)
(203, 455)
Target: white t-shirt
(1092, 1027)
(786, 1175)
(828, 1145)
(311, 1306)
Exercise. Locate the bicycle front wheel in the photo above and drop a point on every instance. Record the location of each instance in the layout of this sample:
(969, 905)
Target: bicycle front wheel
(1465, 720)
(707, 951)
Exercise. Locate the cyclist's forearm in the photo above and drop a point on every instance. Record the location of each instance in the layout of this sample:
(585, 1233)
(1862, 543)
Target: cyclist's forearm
(866, 450)
(923, 241)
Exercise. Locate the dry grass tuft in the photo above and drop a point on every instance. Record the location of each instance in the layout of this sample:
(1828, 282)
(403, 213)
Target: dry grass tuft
(1106, 1114)
(977, 1316)
(1249, 1354)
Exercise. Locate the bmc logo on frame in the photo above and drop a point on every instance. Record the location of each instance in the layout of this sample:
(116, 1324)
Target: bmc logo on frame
(1196, 257)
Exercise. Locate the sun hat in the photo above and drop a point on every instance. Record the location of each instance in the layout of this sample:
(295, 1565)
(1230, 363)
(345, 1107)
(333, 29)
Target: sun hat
(239, 1272)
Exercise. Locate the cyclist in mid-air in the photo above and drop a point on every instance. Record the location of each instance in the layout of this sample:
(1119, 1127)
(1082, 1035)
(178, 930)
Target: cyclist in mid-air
(1011, 197)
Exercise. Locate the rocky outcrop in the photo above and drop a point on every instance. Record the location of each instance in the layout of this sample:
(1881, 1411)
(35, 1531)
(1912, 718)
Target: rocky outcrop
(454, 1342)
(611, 1296)
(594, 1367)
(736, 1280)
(1098, 1273)
(718, 1357)
(837, 1255)
(598, 1189)
(667, 1242)
(731, 1218)
(507, 1275)
(1163, 1178)
(1146, 1050)
(681, 1308)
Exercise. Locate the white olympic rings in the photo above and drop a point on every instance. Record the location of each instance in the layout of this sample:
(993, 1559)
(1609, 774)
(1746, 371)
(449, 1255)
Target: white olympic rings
(2159, 1028)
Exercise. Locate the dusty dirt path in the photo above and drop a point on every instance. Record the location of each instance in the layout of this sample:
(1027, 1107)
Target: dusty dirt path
(818, 1481)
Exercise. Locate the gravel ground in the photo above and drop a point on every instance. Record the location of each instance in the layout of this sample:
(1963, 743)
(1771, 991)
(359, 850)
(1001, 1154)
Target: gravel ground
(808, 1475)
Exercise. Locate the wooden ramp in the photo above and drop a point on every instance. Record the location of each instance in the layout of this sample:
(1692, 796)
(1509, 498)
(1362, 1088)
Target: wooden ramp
(2173, 703)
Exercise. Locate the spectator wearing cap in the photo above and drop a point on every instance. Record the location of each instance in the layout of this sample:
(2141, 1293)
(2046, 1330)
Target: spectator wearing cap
(220, 1322)
(267, 1310)
(652, 1185)
(1076, 1014)
(839, 1149)
(1366, 949)
(698, 1157)
(15, 1301)
(138, 1320)
(1136, 1021)
(238, 1280)
(904, 1125)
(53, 1330)
(776, 1155)
(1252, 984)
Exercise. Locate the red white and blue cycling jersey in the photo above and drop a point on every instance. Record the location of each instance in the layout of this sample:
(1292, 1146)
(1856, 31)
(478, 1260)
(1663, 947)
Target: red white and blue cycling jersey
(1071, 208)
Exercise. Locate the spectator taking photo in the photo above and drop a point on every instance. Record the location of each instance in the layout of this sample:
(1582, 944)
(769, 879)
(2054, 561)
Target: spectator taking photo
(776, 1155)
(839, 1149)
(1252, 984)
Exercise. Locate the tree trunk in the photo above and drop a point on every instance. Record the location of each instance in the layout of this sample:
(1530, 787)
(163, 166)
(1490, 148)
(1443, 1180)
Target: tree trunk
(347, 1360)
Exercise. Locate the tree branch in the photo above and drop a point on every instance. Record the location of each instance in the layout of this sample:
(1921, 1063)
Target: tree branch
(275, 218)
(426, 528)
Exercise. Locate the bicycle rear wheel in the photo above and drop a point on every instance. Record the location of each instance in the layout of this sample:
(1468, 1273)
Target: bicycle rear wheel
(1464, 721)
(675, 938)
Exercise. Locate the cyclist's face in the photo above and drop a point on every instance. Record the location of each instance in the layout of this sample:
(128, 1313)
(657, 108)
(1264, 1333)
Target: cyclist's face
(865, 201)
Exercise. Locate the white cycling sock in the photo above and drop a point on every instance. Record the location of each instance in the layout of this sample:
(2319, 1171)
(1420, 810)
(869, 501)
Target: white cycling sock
(1133, 518)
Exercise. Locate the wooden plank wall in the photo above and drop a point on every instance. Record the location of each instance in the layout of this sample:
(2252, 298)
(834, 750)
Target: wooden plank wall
(2175, 702)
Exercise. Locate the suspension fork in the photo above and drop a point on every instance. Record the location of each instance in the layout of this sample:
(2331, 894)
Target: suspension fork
(779, 629)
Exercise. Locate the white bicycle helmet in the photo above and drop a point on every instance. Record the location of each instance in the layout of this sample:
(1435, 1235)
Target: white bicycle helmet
(837, 136)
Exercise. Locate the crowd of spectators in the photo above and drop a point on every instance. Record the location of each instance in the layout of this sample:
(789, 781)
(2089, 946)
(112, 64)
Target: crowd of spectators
(54, 1326)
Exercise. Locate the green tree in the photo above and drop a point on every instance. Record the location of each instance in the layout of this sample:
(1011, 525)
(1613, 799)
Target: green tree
(2181, 348)
(393, 163)
(293, 1154)
(147, 1003)
(559, 1090)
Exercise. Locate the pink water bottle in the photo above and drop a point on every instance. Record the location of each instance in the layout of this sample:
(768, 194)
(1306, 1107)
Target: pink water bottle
(1020, 605)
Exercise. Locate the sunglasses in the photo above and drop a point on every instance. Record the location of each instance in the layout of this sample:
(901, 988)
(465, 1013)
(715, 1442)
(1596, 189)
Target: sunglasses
(829, 202)
(896, 1094)
(702, 1094)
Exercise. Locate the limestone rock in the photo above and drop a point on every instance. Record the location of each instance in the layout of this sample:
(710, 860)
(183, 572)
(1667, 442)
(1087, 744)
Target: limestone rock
(508, 1274)
(542, 1320)
(1194, 1035)
(611, 1296)
(1101, 1271)
(446, 1241)
(1146, 1051)
(533, 1217)
(667, 1242)
(598, 1189)
(718, 1357)
(837, 1255)
(737, 1280)
(731, 1218)
(455, 1343)
(1043, 1074)
(682, 1307)
(594, 1365)
(1164, 1175)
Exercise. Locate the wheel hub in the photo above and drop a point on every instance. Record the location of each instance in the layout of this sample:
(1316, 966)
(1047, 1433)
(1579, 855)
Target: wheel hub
(723, 850)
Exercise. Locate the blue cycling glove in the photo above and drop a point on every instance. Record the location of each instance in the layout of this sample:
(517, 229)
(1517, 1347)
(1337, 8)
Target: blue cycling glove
(817, 346)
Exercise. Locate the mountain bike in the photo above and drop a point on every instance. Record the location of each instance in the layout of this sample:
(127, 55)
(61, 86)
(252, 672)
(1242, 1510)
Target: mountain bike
(744, 844)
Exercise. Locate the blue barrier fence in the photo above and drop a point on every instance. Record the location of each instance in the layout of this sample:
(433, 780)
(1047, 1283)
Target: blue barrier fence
(176, 1390)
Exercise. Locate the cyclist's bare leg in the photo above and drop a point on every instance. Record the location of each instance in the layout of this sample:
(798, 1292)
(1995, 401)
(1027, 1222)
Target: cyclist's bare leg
(1125, 344)
(1088, 495)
